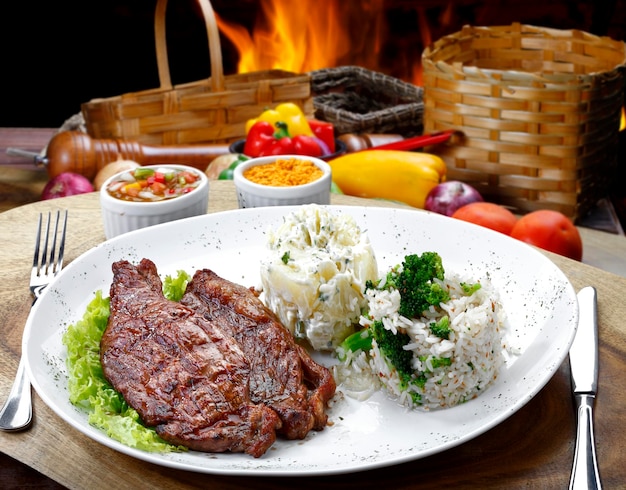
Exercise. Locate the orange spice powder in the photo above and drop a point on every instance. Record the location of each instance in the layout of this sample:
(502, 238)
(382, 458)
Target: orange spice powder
(284, 172)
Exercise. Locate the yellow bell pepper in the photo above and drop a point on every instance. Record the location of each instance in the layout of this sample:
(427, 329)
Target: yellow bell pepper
(289, 113)
(128, 188)
(403, 176)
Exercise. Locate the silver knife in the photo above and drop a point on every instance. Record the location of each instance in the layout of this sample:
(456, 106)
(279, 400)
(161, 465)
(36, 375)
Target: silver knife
(583, 359)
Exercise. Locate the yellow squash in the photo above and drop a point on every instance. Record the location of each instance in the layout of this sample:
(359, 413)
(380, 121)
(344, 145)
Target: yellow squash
(403, 176)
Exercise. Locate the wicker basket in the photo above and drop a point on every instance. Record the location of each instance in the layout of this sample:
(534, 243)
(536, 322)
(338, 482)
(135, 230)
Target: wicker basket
(207, 111)
(538, 110)
(357, 100)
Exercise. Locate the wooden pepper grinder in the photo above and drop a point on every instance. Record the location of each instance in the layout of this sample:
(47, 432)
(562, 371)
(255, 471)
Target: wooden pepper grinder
(74, 151)
(358, 142)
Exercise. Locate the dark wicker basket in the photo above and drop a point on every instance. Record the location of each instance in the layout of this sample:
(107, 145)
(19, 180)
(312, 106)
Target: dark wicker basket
(357, 100)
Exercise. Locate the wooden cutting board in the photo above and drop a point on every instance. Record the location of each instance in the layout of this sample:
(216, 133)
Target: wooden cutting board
(531, 449)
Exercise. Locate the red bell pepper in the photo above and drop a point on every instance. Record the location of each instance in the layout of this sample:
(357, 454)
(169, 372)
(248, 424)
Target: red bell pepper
(259, 136)
(324, 131)
(281, 146)
(263, 140)
(306, 145)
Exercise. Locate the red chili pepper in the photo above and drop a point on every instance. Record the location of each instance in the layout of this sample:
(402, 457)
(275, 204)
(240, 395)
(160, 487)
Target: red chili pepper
(324, 131)
(260, 135)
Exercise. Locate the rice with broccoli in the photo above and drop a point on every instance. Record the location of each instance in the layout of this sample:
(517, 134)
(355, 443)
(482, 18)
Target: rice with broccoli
(432, 339)
(315, 273)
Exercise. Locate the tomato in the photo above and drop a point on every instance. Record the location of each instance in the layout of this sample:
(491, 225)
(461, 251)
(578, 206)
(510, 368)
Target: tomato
(487, 214)
(550, 230)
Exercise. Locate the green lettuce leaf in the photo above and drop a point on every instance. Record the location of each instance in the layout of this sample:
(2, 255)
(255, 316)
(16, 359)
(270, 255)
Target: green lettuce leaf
(174, 287)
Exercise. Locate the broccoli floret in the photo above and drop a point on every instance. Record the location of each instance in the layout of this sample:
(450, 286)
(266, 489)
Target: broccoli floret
(441, 328)
(361, 340)
(414, 280)
(438, 362)
(391, 346)
(469, 288)
(389, 282)
(415, 283)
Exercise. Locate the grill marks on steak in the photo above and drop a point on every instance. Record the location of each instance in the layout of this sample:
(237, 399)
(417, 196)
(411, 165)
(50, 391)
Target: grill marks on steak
(282, 374)
(216, 372)
(183, 374)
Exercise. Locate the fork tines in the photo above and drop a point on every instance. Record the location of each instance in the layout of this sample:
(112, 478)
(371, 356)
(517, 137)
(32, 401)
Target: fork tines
(52, 264)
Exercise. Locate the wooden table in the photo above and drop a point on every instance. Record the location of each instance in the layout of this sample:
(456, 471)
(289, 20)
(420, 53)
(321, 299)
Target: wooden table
(533, 448)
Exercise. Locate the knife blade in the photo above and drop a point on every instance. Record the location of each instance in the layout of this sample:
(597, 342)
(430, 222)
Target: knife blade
(583, 358)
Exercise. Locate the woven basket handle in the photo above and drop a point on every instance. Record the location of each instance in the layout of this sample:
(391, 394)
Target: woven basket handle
(215, 49)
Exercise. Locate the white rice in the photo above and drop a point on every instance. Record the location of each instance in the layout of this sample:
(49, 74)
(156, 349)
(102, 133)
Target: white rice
(475, 348)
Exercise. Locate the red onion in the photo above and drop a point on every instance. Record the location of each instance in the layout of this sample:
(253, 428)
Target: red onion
(449, 196)
(66, 184)
(323, 146)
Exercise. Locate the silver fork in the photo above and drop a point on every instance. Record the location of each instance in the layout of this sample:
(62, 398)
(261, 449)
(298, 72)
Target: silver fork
(17, 412)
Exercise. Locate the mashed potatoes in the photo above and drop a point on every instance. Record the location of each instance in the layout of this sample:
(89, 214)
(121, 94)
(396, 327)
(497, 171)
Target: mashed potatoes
(315, 274)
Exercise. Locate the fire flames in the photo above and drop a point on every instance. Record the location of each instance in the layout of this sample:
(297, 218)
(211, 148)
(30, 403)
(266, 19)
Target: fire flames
(314, 34)
(318, 34)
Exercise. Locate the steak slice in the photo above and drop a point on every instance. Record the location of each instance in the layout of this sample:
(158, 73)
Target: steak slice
(282, 375)
(183, 375)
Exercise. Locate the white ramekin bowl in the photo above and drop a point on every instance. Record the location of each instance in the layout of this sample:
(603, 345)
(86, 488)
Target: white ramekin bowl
(119, 216)
(253, 195)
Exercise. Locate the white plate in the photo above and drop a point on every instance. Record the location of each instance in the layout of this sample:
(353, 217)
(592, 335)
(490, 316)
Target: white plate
(538, 298)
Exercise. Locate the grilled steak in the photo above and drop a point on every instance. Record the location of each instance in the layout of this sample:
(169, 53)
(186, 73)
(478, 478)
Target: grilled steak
(282, 374)
(183, 374)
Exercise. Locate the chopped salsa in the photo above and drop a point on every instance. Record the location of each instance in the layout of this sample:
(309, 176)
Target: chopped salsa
(145, 184)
